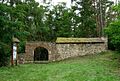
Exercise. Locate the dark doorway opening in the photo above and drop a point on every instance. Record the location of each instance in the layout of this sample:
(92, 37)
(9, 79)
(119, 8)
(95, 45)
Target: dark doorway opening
(40, 54)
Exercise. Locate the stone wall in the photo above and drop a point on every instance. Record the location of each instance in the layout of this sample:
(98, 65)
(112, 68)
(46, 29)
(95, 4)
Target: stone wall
(73, 50)
(62, 50)
(21, 58)
(31, 46)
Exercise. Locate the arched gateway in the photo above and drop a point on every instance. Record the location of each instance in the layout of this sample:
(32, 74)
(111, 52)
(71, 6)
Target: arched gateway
(40, 51)
(41, 54)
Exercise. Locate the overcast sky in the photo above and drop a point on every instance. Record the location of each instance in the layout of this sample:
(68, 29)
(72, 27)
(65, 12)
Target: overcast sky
(68, 2)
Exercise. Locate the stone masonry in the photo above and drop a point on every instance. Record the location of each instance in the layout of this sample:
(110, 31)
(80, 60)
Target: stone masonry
(67, 47)
(31, 46)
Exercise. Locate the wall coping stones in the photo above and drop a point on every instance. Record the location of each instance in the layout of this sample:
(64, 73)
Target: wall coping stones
(61, 40)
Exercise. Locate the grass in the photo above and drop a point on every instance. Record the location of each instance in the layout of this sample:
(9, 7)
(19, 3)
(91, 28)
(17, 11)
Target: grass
(100, 67)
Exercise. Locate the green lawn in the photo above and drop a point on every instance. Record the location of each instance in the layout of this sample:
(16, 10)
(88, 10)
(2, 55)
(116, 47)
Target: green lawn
(101, 67)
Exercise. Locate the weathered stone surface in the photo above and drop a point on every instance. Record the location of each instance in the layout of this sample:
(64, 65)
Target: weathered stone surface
(31, 46)
(21, 58)
(73, 50)
(63, 50)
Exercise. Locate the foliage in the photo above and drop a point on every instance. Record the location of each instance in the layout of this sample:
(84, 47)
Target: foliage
(29, 21)
(5, 24)
(113, 30)
(10, 26)
(4, 54)
(59, 21)
(87, 27)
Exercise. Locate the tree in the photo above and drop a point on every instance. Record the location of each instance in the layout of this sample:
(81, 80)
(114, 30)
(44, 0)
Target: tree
(29, 21)
(113, 30)
(11, 19)
(102, 14)
(59, 21)
(5, 29)
(84, 22)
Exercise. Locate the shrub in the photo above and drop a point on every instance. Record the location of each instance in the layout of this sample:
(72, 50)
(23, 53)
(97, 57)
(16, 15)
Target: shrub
(4, 54)
(113, 32)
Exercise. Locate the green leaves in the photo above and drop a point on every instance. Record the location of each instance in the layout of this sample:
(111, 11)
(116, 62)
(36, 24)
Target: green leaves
(113, 29)
(29, 21)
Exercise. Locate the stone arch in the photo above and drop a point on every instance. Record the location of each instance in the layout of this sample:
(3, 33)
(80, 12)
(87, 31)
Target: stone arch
(31, 46)
(41, 54)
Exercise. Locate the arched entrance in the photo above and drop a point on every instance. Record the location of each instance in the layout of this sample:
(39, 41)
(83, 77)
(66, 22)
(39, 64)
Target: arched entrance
(40, 54)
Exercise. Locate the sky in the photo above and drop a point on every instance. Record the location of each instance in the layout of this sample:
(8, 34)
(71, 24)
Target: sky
(55, 2)
(68, 2)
